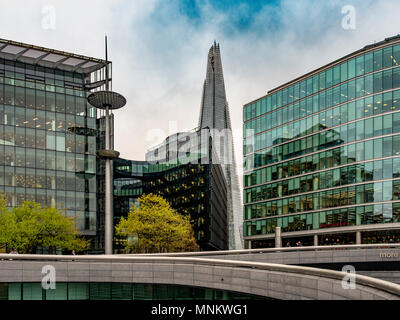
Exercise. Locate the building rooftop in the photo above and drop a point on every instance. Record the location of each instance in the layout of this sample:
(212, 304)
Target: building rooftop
(49, 58)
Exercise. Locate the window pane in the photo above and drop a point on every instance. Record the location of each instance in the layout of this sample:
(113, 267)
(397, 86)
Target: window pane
(369, 62)
(377, 149)
(60, 142)
(343, 72)
(32, 291)
(14, 291)
(369, 84)
(9, 95)
(377, 60)
(122, 291)
(78, 291)
(387, 80)
(60, 103)
(352, 68)
(396, 55)
(100, 291)
(378, 82)
(50, 101)
(322, 80)
(143, 291)
(387, 102)
(40, 100)
(396, 78)
(360, 66)
(387, 57)
(351, 90)
(369, 147)
(336, 75)
(329, 78)
(378, 104)
(360, 87)
(59, 293)
(50, 141)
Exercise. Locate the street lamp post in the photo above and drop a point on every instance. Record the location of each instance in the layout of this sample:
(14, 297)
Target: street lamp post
(107, 100)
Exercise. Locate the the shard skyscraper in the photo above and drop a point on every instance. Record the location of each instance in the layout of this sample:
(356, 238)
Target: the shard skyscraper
(214, 114)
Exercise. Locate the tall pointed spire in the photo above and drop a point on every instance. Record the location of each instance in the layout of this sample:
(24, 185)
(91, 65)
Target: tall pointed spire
(214, 114)
(214, 104)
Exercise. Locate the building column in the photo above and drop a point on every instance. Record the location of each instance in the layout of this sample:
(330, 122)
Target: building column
(358, 237)
(278, 237)
(249, 244)
(315, 240)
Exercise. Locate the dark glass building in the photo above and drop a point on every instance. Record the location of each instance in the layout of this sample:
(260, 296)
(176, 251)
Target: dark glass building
(48, 132)
(187, 177)
(322, 154)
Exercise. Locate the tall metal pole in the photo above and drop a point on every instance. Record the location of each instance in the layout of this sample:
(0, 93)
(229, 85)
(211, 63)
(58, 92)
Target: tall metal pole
(108, 223)
(107, 100)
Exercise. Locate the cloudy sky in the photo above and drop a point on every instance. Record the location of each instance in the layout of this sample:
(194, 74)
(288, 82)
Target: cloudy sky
(159, 49)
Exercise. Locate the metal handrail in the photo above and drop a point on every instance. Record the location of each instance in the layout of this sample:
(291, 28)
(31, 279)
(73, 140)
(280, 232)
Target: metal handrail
(273, 250)
(317, 272)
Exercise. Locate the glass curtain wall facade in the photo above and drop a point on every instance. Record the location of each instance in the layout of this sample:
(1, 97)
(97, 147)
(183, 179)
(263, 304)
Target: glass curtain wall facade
(323, 151)
(189, 181)
(127, 188)
(48, 133)
(116, 291)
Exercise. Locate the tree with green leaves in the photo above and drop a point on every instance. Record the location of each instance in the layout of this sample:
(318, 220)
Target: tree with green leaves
(156, 228)
(29, 226)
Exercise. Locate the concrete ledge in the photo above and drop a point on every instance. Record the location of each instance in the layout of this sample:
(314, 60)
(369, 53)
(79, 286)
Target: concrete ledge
(272, 280)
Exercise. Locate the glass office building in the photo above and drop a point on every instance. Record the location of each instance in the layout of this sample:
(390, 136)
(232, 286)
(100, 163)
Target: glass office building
(48, 131)
(185, 171)
(322, 154)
